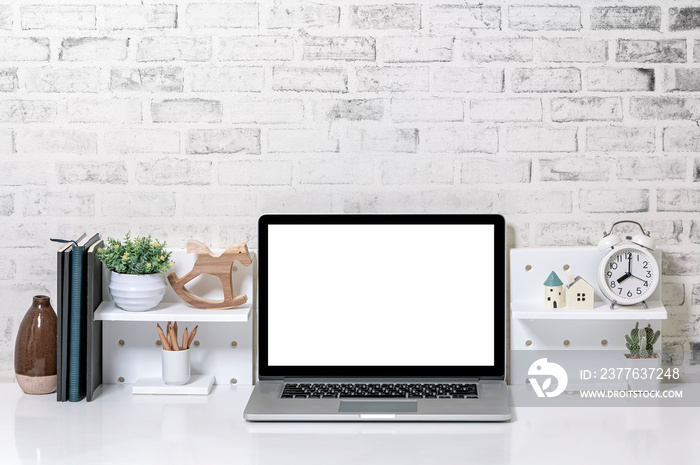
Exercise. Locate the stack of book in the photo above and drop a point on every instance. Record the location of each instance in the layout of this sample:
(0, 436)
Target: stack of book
(79, 335)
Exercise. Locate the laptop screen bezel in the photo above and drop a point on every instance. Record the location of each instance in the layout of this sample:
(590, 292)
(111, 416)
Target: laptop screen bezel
(495, 371)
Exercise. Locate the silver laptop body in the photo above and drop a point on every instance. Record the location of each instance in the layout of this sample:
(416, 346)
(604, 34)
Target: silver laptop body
(381, 318)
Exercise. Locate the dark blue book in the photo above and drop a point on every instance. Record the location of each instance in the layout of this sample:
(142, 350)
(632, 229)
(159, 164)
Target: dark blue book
(63, 297)
(62, 305)
(77, 330)
(94, 327)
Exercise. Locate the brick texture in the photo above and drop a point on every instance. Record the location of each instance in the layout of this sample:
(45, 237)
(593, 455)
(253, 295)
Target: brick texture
(24, 49)
(623, 17)
(93, 49)
(682, 79)
(58, 16)
(506, 110)
(550, 18)
(465, 17)
(204, 141)
(651, 51)
(165, 79)
(8, 80)
(586, 109)
(188, 119)
(28, 111)
(497, 50)
(166, 48)
(227, 79)
(620, 139)
(684, 19)
(392, 78)
(256, 48)
(288, 14)
(572, 50)
(6, 19)
(224, 15)
(546, 80)
(309, 79)
(394, 16)
(412, 49)
(451, 79)
(160, 16)
(620, 79)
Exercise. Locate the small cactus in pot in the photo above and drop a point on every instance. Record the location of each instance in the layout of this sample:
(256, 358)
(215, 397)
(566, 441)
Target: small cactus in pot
(640, 342)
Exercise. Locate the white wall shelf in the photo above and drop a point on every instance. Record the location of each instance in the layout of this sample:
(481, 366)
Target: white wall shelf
(198, 385)
(167, 311)
(602, 311)
(579, 338)
(224, 342)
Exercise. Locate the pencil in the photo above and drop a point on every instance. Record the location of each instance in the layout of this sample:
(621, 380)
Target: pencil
(191, 339)
(184, 340)
(175, 329)
(173, 341)
(163, 340)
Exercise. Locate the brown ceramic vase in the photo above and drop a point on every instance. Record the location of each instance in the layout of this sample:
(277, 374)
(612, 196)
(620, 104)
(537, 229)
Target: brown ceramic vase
(35, 348)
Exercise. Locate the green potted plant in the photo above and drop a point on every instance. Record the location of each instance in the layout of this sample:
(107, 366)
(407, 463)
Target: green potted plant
(138, 267)
(643, 362)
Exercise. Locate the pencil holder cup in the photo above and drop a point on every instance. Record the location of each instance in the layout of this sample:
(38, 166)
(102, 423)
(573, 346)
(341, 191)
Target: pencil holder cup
(176, 366)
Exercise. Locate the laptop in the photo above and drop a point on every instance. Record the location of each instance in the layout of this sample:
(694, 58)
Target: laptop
(381, 318)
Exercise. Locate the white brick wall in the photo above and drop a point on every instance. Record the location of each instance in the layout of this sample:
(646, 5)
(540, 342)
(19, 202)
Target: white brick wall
(189, 119)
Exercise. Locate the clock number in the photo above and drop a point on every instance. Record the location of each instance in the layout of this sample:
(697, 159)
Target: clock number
(629, 293)
(613, 266)
(646, 265)
(646, 284)
(619, 291)
(619, 258)
(609, 274)
(628, 256)
(648, 274)
(612, 284)
(639, 291)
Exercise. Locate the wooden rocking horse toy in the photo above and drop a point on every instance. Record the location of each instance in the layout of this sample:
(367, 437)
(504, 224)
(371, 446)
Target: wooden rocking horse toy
(216, 265)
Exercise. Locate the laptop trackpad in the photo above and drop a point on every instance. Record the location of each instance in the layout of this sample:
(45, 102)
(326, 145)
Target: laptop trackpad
(377, 406)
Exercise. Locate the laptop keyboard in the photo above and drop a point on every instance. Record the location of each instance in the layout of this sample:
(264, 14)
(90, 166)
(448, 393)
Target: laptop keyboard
(384, 390)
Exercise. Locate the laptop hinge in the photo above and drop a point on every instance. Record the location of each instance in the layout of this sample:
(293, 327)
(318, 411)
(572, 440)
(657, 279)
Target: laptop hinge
(360, 379)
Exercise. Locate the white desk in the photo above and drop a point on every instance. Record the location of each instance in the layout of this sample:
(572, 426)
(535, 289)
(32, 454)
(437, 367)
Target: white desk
(118, 428)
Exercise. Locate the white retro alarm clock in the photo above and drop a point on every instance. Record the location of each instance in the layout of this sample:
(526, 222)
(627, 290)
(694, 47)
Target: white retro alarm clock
(628, 273)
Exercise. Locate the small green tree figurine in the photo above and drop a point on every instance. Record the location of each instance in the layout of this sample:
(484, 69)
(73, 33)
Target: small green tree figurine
(640, 342)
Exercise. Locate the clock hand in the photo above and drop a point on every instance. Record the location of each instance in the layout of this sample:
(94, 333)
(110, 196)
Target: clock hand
(629, 268)
(623, 277)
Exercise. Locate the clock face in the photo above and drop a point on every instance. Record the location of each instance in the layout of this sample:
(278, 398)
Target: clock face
(628, 275)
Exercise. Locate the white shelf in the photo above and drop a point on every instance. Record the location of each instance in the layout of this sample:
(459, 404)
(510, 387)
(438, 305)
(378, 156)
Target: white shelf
(198, 385)
(602, 311)
(173, 311)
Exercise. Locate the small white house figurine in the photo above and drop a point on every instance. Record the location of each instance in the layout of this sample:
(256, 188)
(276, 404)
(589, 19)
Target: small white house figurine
(579, 294)
(553, 291)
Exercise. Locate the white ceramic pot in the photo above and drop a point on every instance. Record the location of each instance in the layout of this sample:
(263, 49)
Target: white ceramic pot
(644, 373)
(137, 292)
(176, 366)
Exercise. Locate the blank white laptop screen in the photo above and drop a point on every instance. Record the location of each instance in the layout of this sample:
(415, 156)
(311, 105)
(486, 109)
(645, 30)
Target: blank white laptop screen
(381, 295)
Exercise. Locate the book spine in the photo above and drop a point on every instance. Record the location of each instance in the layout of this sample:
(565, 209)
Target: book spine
(76, 389)
(59, 332)
(64, 321)
(94, 328)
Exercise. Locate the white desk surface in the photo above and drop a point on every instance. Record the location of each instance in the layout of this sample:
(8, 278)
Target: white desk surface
(119, 428)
